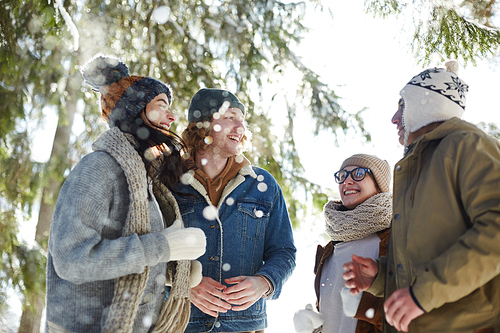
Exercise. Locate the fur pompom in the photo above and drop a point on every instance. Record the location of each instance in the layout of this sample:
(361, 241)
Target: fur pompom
(103, 70)
(452, 66)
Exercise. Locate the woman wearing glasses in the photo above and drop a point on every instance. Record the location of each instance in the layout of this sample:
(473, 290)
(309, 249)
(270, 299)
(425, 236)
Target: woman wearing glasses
(358, 223)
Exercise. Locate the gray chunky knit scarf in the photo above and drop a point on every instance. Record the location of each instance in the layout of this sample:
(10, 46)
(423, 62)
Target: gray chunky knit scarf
(129, 289)
(370, 216)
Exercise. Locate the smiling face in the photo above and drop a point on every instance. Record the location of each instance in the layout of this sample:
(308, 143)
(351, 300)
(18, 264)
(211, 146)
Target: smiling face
(228, 129)
(352, 192)
(158, 112)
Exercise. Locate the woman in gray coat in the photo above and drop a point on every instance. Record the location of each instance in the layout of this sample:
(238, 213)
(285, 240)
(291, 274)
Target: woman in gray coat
(109, 245)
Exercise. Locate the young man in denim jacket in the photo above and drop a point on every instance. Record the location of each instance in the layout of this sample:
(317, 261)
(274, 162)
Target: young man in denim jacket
(250, 250)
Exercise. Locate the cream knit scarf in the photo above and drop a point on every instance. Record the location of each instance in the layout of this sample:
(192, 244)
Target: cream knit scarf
(370, 216)
(174, 315)
(129, 289)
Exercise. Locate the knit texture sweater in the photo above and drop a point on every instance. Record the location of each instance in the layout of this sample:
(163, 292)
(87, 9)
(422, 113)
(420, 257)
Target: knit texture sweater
(92, 246)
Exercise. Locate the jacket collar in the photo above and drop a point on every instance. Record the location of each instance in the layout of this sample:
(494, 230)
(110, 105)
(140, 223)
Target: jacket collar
(247, 170)
(449, 126)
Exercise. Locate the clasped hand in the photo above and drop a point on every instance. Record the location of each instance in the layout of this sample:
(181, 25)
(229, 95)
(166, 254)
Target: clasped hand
(212, 297)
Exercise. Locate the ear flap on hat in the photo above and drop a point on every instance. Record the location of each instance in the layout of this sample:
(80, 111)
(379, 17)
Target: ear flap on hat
(436, 94)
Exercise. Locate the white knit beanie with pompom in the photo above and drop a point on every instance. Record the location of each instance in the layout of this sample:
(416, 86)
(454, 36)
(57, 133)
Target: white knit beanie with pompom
(436, 94)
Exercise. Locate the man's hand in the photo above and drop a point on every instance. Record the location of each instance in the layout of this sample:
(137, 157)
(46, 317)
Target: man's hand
(247, 291)
(400, 309)
(209, 298)
(359, 273)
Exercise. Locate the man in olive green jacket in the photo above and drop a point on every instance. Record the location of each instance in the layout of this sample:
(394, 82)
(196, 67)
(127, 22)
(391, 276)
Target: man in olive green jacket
(442, 272)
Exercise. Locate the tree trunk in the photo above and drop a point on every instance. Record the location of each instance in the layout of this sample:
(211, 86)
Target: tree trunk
(57, 164)
(31, 317)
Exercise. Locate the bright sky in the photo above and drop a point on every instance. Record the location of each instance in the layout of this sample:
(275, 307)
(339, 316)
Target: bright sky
(364, 58)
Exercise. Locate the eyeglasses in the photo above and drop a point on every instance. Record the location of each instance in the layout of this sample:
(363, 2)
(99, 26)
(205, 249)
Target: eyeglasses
(357, 174)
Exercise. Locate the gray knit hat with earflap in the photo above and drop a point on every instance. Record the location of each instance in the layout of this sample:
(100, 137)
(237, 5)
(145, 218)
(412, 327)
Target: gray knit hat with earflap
(206, 102)
(379, 168)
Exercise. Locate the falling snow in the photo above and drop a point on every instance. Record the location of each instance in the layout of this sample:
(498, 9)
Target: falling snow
(186, 178)
(154, 116)
(161, 279)
(262, 187)
(161, 14)
(147, 321)
(149, 154)
(239, 159)
(210, 213)
(224, 107)
(143, 133)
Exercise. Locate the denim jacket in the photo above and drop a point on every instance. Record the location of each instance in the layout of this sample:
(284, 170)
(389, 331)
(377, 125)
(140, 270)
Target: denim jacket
(250, 235)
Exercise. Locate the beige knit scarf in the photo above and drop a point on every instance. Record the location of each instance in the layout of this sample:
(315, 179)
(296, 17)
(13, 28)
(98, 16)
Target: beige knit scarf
(129, 289)
(370, 216)
(174, 315)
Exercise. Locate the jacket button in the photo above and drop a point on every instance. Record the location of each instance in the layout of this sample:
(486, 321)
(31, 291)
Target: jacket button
(390, 273)
(396, 217)
(398, 167)
(400, 267)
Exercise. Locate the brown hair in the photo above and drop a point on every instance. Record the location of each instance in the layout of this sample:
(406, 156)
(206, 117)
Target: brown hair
(194, 137)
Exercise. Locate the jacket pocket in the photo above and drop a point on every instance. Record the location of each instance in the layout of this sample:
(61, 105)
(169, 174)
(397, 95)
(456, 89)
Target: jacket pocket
(187, 210)
(252, 219)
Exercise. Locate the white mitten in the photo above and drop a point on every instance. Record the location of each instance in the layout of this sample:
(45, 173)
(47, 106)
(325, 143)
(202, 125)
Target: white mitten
(194, 278)
(184, 243)
(306, 321)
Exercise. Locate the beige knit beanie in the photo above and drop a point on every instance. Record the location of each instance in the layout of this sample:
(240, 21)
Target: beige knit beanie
(380, 168)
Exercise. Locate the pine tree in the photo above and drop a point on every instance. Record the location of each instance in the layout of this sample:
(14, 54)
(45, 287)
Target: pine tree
(244, 46)
(465, 31)
(239, 45)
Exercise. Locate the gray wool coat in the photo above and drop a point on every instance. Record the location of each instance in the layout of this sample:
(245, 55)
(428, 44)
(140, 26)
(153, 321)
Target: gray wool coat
(87, 253)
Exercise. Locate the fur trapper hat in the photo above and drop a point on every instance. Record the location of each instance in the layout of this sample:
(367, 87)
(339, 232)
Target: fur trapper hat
(123, 97)
(379, 168)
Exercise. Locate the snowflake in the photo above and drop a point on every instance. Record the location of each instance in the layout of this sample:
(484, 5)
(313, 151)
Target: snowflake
(425, 75)
(458, 85)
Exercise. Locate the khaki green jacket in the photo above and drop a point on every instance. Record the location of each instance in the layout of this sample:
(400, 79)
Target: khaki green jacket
(445, 237)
